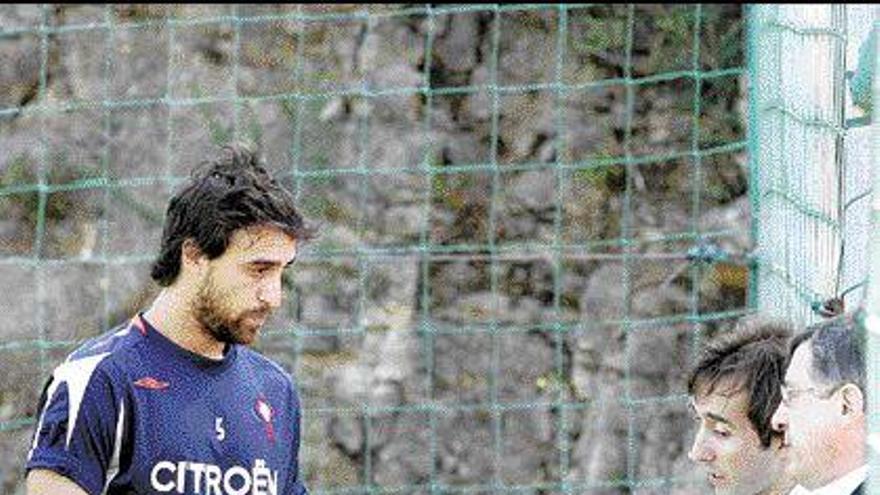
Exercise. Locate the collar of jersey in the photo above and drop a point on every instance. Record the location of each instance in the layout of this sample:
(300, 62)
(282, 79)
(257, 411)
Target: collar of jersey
(213, 365)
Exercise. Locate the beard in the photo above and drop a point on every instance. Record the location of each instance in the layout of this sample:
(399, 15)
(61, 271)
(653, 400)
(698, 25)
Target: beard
(219, 320)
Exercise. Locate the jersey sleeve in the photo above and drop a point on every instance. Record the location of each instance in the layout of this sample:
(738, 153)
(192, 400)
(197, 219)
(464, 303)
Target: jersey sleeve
(79, 429)
(295, 485)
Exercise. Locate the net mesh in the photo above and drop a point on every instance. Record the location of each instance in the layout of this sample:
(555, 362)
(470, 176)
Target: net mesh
(813, 159)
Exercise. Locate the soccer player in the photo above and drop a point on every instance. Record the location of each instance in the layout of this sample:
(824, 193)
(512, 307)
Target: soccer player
(174, 401)
(734, 390)
(822, 412)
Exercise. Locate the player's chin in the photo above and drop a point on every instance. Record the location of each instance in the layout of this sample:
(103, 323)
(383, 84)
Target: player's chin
(245, 339)
(247, 333)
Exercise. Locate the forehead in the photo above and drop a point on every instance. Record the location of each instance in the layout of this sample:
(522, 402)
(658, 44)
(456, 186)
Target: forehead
(798, 371)
(261, 242)
(733, 406)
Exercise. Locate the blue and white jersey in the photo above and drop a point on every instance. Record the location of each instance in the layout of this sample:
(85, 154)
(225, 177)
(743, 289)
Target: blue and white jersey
(132, 412)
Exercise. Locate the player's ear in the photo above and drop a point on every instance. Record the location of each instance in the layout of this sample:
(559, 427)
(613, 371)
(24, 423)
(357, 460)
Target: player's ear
(852, 399)
(190, 254)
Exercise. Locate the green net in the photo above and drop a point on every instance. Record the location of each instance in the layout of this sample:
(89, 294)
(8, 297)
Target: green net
(531, 217)
(813, 156)
(810, 159)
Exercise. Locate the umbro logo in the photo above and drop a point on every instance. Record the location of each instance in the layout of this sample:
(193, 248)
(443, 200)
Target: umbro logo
(150, 383)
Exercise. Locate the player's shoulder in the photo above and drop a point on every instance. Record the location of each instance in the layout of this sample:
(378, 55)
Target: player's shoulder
(108, 350)
(265, 366)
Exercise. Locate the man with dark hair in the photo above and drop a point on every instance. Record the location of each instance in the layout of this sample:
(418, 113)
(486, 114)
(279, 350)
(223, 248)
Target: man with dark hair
(822, 412)
(174, 401)
(734, 390)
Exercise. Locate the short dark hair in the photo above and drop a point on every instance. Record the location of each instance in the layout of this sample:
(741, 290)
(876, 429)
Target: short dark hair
(221, 196)
(838, 348)
(751, 358)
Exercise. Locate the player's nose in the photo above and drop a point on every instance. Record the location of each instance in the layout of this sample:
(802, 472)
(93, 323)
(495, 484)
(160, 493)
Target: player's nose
(270, 294)
(779, 421)
(700, 450)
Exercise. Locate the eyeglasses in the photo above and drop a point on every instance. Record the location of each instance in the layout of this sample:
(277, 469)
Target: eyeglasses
(789, 393)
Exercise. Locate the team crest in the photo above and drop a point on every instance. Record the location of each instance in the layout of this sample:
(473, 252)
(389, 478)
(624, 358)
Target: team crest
(266, 414)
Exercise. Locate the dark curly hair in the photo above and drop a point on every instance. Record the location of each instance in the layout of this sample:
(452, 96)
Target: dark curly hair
(752, 359)
(232, 192)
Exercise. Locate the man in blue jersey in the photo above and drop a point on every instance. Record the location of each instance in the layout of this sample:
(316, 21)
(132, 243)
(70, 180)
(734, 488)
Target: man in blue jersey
(174, 401)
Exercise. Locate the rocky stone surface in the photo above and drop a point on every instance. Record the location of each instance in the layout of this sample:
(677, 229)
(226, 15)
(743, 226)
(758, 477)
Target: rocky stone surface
(422, 359)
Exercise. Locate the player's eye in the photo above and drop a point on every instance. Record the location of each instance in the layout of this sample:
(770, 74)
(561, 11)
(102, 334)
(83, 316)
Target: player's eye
(261, 270)
(722, 433)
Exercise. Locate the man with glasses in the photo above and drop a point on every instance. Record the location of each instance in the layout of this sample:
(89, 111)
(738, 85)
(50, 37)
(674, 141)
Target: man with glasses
(734, 389)
(822, 413)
